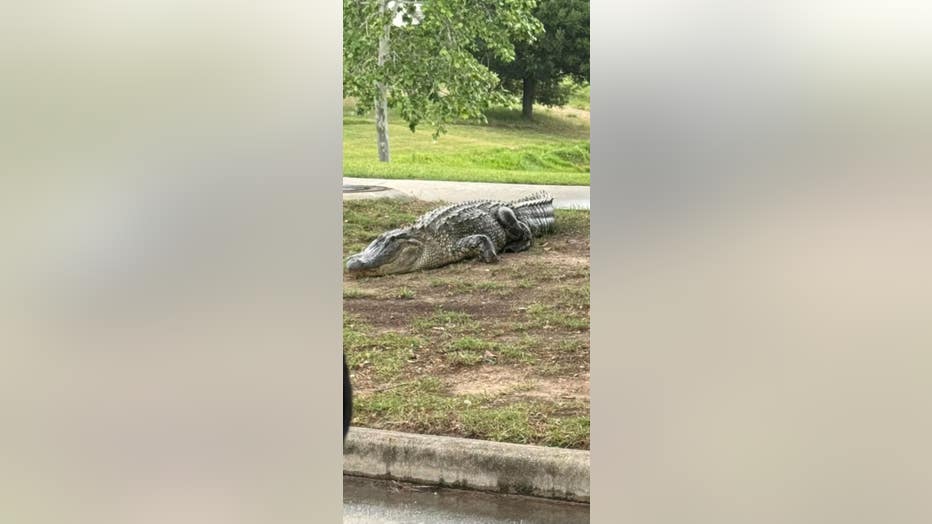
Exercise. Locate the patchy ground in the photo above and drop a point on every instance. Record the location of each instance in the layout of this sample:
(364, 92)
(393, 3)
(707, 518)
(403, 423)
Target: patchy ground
(490, 351)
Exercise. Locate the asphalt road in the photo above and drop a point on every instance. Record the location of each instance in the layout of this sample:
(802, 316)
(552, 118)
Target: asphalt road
(375, 501)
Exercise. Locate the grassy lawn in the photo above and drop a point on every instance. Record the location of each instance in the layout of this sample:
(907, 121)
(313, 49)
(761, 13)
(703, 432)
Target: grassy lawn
(580, 98)
(551, 149)
(489, 351)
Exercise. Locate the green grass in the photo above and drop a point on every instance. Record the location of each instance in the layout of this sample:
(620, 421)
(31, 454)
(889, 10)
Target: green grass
(473, 344)
(551, 149)
(448, 320)
(577, 298)
(546, 315)
(405, 293)
(350, 292)
(443, 318)
(579, 99)
(423, 407)
(570, 346)
(386, 353)
(460, 287)
(520, 352)
(470, 350)
(572, 222)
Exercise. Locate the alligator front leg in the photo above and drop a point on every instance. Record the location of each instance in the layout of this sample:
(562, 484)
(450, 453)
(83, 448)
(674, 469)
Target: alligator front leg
(519, 234)
(476, 246)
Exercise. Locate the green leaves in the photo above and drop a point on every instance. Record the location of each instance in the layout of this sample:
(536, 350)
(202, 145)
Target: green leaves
(432, 73)
(560, 52)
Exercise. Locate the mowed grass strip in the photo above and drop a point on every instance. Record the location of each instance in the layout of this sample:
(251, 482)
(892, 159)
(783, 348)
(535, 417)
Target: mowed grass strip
(401, 171)
(424, 407)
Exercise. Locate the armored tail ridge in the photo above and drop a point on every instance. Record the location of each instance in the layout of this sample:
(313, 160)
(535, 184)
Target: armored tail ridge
(536, 210)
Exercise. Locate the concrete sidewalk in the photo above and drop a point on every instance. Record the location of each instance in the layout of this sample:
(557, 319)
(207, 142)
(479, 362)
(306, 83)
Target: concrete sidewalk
(564, 197)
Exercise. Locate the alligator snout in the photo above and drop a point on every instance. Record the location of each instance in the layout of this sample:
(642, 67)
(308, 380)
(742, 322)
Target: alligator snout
(361, 264)
(356, 263)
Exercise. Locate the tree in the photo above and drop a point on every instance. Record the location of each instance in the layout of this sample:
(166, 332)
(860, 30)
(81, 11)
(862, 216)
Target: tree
(540, 67)
(420, 58)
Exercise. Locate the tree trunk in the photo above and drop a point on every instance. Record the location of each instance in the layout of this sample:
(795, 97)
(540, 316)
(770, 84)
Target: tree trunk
(527, 99)
(381, 101)
(381, 124)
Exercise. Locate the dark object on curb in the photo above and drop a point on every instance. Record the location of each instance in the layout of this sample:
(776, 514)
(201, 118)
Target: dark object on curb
(478, 229)
(347, 399)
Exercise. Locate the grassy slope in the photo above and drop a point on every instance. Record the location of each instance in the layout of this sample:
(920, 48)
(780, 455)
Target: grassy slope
(553, 149)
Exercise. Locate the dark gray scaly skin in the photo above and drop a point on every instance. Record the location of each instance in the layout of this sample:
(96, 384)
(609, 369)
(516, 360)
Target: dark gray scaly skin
(478, 229)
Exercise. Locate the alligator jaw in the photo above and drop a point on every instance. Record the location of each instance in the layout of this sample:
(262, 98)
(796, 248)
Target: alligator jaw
(358, 266)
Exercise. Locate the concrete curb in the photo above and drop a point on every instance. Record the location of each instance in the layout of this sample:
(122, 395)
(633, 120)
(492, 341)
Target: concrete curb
(465, 463)
(388, 193)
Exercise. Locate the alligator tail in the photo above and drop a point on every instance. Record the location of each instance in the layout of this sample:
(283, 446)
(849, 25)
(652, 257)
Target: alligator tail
(536, 210)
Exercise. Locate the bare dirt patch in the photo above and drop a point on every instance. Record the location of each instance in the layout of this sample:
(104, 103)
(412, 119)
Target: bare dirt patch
(518, 383)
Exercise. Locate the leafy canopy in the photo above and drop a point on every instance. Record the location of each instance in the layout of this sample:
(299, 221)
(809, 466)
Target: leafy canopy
(431, 71)
(561, 52)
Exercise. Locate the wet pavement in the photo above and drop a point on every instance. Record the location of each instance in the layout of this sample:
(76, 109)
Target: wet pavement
(564, 197)
(377, 501)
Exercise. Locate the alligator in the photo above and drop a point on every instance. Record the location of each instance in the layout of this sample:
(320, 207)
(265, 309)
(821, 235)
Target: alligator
(475, 229)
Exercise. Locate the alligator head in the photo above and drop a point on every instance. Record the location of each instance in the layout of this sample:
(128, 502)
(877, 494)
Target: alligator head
(392, 252)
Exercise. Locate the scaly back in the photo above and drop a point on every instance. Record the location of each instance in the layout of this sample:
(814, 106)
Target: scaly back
(536, 210)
